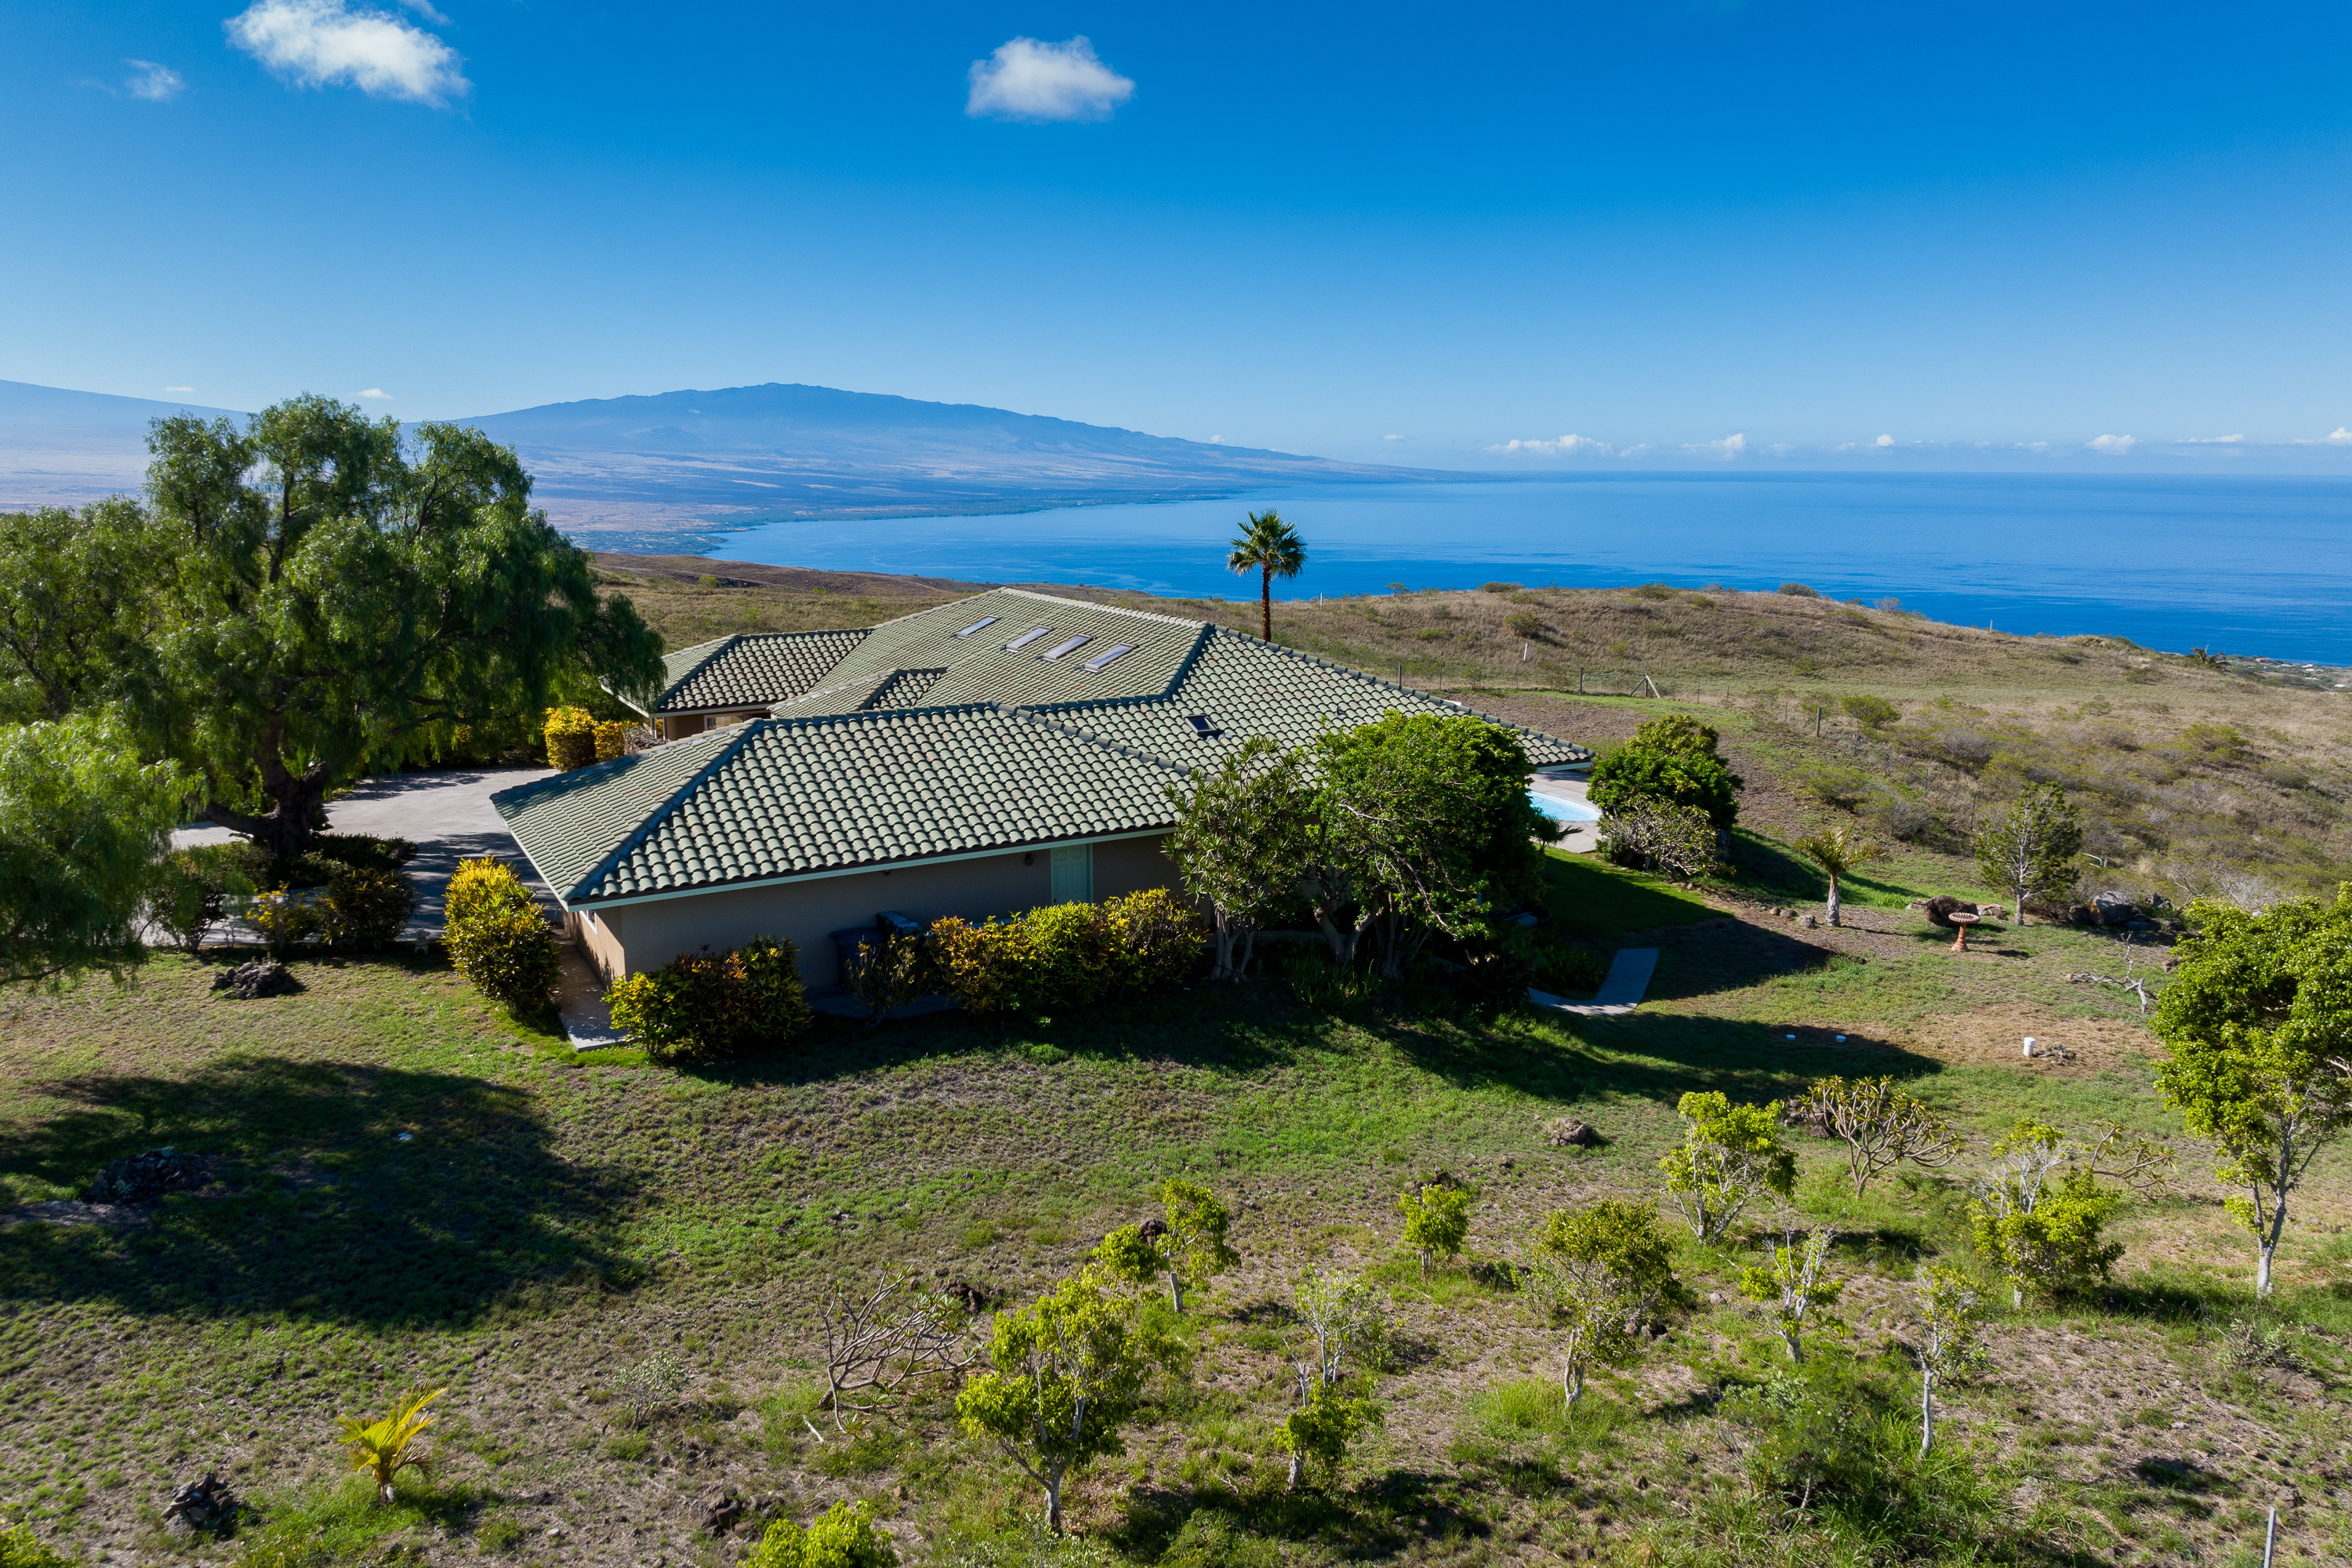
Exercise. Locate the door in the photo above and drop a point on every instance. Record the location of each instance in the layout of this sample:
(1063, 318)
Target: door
(1074, 875)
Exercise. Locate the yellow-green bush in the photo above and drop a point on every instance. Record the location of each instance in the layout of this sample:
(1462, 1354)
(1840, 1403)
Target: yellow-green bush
(842, 1537)
(286, 918)
(1157, 938)
(497, 938)
(571, 735)
(991, 968)
(612, 740)
(1070, 954)
(367, 910)
(706, 1005)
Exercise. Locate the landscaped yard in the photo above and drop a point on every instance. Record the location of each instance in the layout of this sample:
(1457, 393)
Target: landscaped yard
(413, 1192)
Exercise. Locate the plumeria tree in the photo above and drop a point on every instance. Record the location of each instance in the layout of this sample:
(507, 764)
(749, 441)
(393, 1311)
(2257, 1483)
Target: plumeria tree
(1436, 1221)
(1594, 1275)
(2039, 1215)
(1729, 1156)
(1950, 1313)
(1881, 1126)
(1242, 842)
(1791, 1288)
(1187, 1247)
(1346, 1324)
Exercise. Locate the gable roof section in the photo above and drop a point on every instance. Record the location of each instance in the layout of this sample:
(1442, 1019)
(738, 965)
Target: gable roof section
(1243, 687)
(981, 669)
(793, 797)
(751, 670)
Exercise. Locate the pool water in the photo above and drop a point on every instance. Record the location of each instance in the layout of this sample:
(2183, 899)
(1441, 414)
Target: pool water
(1562, 809)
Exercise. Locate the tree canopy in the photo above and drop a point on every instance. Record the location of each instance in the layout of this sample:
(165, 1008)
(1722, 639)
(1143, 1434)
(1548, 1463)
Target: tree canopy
(2032, 848)
(1671, 759)
(1269, 547)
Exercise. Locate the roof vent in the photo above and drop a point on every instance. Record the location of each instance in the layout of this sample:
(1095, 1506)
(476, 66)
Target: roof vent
(981, 624)
(1201, 728)
(1107, 655)
(1058, 649)
(1025, 639)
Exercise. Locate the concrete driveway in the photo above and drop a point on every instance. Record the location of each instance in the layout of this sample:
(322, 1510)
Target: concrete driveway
(446, 814)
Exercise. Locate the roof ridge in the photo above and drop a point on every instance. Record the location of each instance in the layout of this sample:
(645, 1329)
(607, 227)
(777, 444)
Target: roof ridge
(652, 819)
(1090, 605)
(1133, 753)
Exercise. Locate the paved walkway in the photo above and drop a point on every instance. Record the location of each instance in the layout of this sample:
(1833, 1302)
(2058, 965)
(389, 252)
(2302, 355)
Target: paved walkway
(446, 814)
(1622, 992)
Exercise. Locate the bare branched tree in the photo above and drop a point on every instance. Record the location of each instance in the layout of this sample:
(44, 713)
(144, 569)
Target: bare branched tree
(1881, 1126)
(878, 1341)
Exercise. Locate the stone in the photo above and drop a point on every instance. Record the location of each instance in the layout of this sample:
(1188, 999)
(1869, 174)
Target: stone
(145, 1178)
(1153, 1228)
(258, 978)
(204, 1505)
(718, 1510)
(1940, 910)
(1810, 924)
(1568, 1131)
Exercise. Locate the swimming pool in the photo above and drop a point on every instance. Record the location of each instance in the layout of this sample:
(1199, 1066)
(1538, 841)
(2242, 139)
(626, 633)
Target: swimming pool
(1562, 809)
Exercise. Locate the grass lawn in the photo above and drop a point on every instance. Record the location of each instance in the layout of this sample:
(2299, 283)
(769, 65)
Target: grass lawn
(412, 1191)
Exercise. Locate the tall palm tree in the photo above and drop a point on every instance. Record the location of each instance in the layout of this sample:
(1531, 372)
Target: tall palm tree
(1839, 852)
(1269, 545)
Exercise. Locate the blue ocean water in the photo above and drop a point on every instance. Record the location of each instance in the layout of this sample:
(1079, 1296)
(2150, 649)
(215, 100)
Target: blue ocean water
(2248, 564)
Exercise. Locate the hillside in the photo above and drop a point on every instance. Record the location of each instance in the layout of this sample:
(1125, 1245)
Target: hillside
(2192, 777)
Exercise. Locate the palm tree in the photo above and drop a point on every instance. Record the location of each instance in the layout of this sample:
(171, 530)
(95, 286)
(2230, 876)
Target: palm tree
(1838, 852)
(1270, 545)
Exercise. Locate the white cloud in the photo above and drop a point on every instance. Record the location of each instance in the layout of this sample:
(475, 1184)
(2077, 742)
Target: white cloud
(156, 84)
(2209, 441)
(2339, 436)
(2113, 446)
(179, 389)
(1396, 438)
(1566, 446)
(1883, 441)
(1025, 80)
(1216, 441)
(377, 392)
(1731, 447)
(325, 43)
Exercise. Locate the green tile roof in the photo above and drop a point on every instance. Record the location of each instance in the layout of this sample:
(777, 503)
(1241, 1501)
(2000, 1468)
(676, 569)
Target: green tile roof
(785, 797)
(980, 668)
(750, 671)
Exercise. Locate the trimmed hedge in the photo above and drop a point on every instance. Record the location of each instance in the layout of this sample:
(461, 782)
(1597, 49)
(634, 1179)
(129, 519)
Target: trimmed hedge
(367, 910)
(612, 740)
(1070, 954)
(497, 938)
(703, 1006)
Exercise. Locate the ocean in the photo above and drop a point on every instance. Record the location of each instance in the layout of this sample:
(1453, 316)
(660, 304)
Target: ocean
(2246, 564)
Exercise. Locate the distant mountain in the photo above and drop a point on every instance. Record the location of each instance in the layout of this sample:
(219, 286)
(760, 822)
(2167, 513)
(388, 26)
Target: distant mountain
(62, 449)
(646, 464)
(664, 470)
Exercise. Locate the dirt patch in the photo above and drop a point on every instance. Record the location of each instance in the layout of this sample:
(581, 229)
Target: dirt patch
(73, 1211)
(1998, 1034)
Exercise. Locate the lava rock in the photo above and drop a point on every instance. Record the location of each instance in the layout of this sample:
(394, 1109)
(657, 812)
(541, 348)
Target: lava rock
(258, 978)
(1940, 910)
(144, 1178)
(718, 1510)
(207, 1505)
(1568, 1131)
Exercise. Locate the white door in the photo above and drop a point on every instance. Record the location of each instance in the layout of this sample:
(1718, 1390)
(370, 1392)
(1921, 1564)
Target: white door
(1074, 875)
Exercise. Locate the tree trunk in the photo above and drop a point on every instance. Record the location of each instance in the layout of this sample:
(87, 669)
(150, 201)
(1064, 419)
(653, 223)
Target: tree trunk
(2262, 1268)
(1266, 600)
(1249, 951)
(1296, 1468)
(1796, 1350)
(1834, 901)
(1571, 1384)
(1927, 1412)
(1053, 1505)
(1425, 1263)
(1176, 1291)
(1225, 970)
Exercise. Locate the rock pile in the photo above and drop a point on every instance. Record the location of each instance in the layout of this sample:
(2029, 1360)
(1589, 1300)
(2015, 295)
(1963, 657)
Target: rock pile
(1568, 1131)
(207, 1505)
(258, 978)
(144, 1178)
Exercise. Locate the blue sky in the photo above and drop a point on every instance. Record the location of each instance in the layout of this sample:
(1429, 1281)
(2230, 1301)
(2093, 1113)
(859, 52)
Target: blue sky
(1652, 226)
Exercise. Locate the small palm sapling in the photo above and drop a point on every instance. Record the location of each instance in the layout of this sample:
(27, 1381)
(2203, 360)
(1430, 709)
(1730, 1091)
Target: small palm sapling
(1881, 1126)
(383, 1448)
(1950, 1311)
(1595, 1276)
(1839, 852)
(1789, 1288)
(1728, 1155)
(1066, 1372)
(1436, 1220)
(2039, 1215)
(1349, 1324)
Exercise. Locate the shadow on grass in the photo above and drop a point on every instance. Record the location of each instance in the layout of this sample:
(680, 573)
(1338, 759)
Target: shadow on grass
(1385, 1517)
(320, 1208)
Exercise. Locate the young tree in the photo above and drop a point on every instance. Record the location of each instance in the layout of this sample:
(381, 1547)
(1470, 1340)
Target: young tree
(1881, 1126)
(1431, 817)
(1436, 1220)
(1346, 1318)
(1188, 1247)
(1950, 1310)
(2258, 1019)
(1269, 547)
(2039, 1215)
(1839, 851)
(1594, 1277)
(2033, 850)
(1789, 1288)
(335, 591)
(878, 1341)
(1067, 1373)
(1672, 759)
(1241, 839)
(1728, 1154)
(83, 828)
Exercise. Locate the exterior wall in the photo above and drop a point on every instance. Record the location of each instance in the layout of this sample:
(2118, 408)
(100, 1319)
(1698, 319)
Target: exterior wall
(677, 727)
(637, 937)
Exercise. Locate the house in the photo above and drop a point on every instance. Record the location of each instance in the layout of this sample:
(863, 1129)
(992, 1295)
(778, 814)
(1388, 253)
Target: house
(977, 758)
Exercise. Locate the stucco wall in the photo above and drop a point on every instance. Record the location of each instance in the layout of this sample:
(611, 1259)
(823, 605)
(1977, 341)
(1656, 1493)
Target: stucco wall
(638, 937)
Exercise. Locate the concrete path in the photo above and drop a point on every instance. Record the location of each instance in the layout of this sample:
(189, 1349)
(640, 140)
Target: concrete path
(1622, 992)
(446, 814)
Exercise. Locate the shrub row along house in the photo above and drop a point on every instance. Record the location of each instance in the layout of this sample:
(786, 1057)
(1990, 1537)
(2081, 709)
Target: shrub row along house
(1004, 752)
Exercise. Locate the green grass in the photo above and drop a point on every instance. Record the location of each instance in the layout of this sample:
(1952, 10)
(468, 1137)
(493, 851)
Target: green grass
(1591, 898)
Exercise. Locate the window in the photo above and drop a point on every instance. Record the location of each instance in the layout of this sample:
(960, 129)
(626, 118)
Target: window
(1025, 639)
(1058, 649)
(1107, 655)
(1201, 728)
(981, 624)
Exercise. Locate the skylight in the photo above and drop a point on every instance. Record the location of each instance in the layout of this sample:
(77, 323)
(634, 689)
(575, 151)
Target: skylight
(1058, 649)
(981, 624)
(1110, 654)
(1201, 728)
(1025, 639)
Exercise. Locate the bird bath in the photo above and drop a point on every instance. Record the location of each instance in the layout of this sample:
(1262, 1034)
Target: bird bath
(1963, 920)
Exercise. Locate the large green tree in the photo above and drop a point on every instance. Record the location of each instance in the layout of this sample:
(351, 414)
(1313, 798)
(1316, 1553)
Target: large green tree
(336, 590)
(1241, 838)
(2257, 1022)
(78, 603)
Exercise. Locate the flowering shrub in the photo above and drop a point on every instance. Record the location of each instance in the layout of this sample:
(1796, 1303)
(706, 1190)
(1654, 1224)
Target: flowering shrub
(1070, 954)
(366, 910)
(706, 1005)
(612, 740)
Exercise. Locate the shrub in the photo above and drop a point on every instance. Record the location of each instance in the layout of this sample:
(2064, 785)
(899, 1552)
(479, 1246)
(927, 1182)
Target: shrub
(991, 968)
(1836, 784)
(1870, 712)
(1729, 1155)
(20, 1548)
(364, 850)
(1525, 624)
(703, 1006)
(1436, 1220)
(1659, 836)
(612, 740)
(192, 888)
(1069, 954)
(286, 918)
(1671, 759)
(1156, 938)
(571, 734)
(367, 910)
(1799, 591)
(1073, 944)
(842, 1537)
(497, 938)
